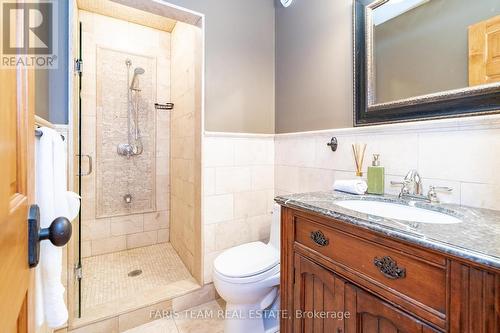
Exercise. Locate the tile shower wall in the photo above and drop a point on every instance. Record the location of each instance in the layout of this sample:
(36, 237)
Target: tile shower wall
(459, 153)
(108, 226)
(186, 142)
(238, 192)
(117, 175)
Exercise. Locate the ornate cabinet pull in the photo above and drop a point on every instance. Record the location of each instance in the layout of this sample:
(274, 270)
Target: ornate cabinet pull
(389, 268)
(319, 238)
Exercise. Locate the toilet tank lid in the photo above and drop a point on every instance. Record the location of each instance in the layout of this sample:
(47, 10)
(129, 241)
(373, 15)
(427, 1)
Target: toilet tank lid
(246, 260)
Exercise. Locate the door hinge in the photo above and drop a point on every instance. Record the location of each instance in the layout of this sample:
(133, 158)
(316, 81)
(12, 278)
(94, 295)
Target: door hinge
(78, 271)
(79, 66)
(294, 275)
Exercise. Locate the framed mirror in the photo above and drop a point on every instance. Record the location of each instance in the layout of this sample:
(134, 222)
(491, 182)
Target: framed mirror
(425, 59)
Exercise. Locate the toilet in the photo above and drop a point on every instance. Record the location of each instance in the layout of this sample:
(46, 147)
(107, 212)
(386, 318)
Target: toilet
(247, 277)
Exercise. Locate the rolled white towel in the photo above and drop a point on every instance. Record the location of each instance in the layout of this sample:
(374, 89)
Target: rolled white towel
(353, 186)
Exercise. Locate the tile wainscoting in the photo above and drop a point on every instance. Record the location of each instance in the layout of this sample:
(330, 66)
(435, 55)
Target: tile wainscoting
(460, 153)
(238, 191)
(242, 172)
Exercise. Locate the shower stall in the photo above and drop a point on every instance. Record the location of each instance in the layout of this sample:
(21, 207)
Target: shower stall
(133, 246)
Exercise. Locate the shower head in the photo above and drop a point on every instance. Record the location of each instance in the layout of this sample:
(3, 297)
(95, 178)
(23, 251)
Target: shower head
(137, 71)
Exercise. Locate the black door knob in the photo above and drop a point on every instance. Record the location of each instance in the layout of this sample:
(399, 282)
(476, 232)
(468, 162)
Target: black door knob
(59, 233)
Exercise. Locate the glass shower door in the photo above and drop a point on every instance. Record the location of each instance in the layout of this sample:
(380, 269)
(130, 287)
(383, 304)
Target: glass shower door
(77, 252)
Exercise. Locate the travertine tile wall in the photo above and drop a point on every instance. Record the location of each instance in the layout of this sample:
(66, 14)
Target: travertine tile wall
(105, 235)
(118, 175)
(461, 153)
(186, 146)
(238, 192)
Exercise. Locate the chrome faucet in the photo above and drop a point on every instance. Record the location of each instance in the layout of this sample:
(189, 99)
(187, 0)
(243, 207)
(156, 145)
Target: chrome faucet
(411, 185)
(411, 188)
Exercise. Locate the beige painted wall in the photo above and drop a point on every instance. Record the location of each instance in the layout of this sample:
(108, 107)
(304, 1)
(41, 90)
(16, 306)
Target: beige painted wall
(185, 161)
(314, 65)
(239, 73)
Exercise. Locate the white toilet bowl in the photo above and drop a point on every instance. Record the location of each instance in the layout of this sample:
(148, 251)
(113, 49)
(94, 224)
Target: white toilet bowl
(247, 277)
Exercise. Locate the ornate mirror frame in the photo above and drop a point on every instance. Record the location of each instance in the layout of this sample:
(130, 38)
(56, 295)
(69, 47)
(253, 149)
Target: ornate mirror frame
(469, 101)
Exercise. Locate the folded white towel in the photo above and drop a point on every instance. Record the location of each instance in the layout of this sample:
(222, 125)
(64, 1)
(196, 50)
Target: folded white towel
(54, 201)
(353, 186)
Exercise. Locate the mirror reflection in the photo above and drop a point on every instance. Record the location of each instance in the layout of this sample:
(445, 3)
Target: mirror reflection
(424, 47)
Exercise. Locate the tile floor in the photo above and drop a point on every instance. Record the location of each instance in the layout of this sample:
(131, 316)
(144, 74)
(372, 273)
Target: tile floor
(205, 318)
(108, 289)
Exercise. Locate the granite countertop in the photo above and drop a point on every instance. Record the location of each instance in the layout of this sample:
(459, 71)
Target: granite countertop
(477, 238)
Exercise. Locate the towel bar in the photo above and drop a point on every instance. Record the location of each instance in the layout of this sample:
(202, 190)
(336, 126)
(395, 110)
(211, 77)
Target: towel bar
(39, 133)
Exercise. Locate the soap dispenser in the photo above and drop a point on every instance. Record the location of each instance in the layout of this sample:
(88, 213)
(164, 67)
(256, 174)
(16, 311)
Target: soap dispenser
(376, 176)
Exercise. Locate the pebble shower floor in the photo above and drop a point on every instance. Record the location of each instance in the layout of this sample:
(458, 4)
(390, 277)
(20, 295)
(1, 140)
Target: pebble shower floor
(106, 277)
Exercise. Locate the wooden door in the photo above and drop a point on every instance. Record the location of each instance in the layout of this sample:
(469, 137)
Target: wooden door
(372, 315)
(484, 52)
(318, 299)
(16, 190)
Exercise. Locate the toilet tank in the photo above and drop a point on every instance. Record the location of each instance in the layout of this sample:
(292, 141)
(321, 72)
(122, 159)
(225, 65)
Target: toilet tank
(275, 237)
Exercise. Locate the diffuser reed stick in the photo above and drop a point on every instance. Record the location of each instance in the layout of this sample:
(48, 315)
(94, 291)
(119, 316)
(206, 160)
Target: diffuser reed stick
(359, 155)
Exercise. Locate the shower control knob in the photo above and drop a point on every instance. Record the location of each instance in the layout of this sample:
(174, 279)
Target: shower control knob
(127, 198)
(59, 233)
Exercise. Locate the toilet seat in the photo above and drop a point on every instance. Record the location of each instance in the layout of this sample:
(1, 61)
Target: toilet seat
(273, 272)
(247, 263)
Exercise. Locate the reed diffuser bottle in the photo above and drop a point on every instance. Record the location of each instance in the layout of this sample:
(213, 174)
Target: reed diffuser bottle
(359, 155)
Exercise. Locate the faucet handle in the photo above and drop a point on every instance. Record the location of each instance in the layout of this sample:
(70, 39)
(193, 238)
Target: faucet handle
(432, 194)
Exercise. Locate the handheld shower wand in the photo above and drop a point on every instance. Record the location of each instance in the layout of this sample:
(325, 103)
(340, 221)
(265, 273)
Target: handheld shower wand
(137, 71)
(134, 144)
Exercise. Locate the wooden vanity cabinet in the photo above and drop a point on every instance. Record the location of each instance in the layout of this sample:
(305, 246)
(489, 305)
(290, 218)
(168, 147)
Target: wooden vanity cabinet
(317, 291)
(336, 278)
(371, 314)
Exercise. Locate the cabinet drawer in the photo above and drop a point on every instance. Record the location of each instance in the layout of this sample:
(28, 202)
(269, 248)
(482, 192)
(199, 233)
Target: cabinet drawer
(419, 281)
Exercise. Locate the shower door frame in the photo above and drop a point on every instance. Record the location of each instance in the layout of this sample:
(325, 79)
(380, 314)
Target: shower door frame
(73, 250)
(158, 7)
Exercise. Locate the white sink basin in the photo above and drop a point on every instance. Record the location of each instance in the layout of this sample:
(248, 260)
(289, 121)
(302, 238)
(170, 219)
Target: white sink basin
(399, 212)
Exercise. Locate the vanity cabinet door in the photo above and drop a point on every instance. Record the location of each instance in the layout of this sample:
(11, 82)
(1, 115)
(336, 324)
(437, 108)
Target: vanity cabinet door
(373, 315)
(318, 299)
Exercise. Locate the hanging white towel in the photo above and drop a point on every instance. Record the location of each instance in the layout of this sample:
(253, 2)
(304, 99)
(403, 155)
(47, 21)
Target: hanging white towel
(54, 201)
(354, 186)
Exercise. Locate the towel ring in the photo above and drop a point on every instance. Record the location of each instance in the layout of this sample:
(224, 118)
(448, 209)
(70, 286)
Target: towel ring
(59, 233)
